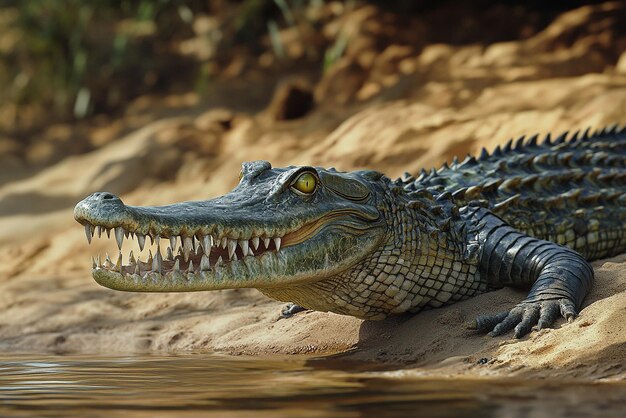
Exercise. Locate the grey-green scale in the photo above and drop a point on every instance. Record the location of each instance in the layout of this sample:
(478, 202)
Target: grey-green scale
(358, 243)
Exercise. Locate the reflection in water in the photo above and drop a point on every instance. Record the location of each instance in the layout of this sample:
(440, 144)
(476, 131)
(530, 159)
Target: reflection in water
(215, 385)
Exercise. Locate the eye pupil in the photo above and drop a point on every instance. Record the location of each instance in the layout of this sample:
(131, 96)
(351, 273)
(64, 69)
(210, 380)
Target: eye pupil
(305, 183)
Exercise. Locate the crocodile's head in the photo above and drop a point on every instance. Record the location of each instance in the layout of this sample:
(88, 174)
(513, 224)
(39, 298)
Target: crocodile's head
(278, 227)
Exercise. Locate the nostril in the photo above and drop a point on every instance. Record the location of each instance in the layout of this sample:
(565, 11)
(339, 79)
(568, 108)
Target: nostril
(108, 196)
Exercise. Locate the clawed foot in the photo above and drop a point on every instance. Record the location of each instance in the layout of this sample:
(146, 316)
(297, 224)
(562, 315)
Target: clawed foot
(524, 316)
(290, 310)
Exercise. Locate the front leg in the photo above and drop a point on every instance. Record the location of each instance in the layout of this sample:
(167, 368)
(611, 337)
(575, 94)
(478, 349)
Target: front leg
(560, 277)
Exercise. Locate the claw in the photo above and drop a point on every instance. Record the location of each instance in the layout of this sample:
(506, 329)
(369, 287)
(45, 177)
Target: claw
(512, 319)
(524, 316)
(529, 318)
(486, 322)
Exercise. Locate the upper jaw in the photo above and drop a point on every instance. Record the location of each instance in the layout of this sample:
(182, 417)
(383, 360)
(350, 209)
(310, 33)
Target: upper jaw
(191, 243)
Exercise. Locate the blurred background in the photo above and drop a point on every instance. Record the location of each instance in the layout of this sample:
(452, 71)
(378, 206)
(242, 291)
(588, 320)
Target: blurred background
(161, 101)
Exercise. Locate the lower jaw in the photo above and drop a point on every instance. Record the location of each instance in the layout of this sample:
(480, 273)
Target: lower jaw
(246, 272)
(172, 281)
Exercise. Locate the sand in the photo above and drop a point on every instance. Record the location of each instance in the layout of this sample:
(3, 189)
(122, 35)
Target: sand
(408, 109)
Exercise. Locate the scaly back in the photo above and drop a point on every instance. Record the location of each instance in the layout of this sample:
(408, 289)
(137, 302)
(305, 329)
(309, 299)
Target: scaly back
(571, 191)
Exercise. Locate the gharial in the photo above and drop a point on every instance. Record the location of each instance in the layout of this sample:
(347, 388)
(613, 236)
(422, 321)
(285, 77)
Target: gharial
(358, 243)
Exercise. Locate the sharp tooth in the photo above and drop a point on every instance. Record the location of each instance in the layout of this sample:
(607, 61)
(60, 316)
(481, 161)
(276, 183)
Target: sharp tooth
(141, 239)
(131, 258)
(234, 257)
(219, 261)
(107, 261)
(277, 242)
(196, 242)
(266, 242)
(173, 239)
(98, 260)
(157, 263)
(118, 265)
(126, 234)
(151, 239)
(108, 232)
(157, 240)
(93, 263)
(255, 243)
(149, 257)
(190, 269)
(137, 270)
(232, 246)
(207, 243)
(244, 246)
(204, 263)
(119, 236)
(224, 242)
(88, 232)
(132, 235)
(177, 264)
(187, 247)
(250, 252)
(169, 256)
(99, 231)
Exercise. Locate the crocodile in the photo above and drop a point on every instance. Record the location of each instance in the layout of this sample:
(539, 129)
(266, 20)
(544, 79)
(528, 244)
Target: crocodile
(531, 213)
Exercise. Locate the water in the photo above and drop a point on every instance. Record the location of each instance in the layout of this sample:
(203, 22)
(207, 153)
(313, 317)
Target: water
(205, 385)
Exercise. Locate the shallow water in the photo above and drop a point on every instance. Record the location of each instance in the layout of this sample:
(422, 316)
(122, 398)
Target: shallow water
(216, 385)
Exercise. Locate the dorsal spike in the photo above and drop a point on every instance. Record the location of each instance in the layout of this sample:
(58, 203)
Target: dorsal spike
(483, 154)
(548, 140)
(519, 142)
(459, 194)
(444, 196)
(561, 138)
(497, 152)
(444, 225)
(491, 185)
(574, 137)
(455, 161)
(586, 133)
(502, 206)
(532, 141)
(433, 172)
(469, 161)
(473, 191)
(406, 176)
(510, 184)
(611, 129)
(529, 181)
(508, 145)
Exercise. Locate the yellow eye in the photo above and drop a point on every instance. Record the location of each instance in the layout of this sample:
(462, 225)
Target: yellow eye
(305, 183)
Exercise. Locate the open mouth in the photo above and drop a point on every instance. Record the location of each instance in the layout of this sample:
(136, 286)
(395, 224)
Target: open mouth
(184, 254)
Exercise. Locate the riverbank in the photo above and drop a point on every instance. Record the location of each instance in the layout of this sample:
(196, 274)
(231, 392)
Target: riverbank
(407, 109)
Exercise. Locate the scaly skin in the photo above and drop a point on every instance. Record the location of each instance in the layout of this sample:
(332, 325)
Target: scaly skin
(361, 244)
